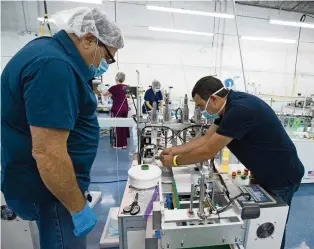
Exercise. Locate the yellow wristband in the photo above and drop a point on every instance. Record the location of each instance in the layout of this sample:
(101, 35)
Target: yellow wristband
(174, 161)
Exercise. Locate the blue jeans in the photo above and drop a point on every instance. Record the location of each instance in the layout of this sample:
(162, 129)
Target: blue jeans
(54, 224)
(286, 194)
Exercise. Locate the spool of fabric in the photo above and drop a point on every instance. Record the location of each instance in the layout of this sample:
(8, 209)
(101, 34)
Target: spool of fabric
(144, 176)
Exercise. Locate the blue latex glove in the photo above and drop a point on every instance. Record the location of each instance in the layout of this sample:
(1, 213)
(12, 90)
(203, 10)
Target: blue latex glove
(84, 221)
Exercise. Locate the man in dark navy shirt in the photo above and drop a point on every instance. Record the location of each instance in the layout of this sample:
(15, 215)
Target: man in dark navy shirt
(50, 130)
(152, 95)
(253, 133)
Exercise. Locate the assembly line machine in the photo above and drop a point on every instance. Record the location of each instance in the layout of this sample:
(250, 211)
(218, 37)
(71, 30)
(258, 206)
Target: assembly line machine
(200, 208)
(193, 206)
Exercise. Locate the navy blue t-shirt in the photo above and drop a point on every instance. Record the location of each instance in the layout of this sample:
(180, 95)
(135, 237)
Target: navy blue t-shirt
(260, 142)
(46, 85)
(151, 97)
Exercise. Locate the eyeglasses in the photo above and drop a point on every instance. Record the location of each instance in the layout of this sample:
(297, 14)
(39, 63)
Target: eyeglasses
(111, 59)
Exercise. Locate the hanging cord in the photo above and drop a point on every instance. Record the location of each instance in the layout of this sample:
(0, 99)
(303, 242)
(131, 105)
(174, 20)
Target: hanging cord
(217, 40)
(241, 57)
(302, 19)
(117, 157)
(115, 20)
(26, 31)
(26, 28)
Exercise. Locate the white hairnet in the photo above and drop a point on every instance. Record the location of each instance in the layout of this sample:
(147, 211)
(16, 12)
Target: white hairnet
(84, 20)
(120, 77)
(156, 84)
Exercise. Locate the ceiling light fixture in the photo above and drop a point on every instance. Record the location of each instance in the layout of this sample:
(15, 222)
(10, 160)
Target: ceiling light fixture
(268, 39)
(293, 24)
(191, 12)
(181, 31)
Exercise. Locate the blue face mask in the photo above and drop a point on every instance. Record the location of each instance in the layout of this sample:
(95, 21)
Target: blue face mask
(213, 116)
(101, 69)
(210, 116)
(156, 90)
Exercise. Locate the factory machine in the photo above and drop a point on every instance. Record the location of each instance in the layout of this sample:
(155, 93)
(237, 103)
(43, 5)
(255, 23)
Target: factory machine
(197, 206)
(296, 122)
(193, 206)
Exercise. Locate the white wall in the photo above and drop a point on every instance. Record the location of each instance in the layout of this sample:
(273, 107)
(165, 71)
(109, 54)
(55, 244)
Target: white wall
(180, 60)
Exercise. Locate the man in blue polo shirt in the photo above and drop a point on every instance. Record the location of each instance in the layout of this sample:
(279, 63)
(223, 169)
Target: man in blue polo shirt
(50, 131)
(152, 95)
(253, 133)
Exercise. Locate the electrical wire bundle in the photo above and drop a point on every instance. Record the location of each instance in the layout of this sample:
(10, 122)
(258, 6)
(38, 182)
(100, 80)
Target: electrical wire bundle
(233, 199)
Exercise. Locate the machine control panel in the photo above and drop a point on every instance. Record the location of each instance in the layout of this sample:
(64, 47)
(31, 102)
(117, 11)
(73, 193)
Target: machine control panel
(259, 195)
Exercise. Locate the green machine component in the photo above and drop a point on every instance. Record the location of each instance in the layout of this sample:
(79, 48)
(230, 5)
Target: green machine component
(175, 196)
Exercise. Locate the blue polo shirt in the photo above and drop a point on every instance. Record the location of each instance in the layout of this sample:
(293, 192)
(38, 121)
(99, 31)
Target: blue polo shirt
(260, 142)
(151, 97)
(46, 85)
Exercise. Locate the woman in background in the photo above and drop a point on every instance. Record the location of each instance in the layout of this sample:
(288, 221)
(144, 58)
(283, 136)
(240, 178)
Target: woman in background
(119, 109)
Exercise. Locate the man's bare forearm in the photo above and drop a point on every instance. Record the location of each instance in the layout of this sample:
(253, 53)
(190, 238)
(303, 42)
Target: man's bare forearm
(195, 143)
(56, 171)
(185, 148)
(209, 149)
(149, 105)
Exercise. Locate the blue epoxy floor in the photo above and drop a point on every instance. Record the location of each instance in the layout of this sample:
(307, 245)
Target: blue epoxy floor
(300, 229)
(104, 177)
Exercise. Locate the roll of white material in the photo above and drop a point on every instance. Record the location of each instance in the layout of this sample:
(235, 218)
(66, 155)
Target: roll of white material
(144, 176)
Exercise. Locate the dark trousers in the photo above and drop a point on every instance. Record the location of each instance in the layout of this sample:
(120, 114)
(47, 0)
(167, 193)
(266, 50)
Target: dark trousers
(286, 194)
(121, 133)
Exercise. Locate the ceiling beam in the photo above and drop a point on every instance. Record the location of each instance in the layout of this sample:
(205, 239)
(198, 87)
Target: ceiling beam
(298, 4)
(307, 2)
(279, 6)
(264, 4)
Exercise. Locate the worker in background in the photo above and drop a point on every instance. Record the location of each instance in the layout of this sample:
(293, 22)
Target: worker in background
(50, 131)
(119, 109)
(252, 132)
(152, 95)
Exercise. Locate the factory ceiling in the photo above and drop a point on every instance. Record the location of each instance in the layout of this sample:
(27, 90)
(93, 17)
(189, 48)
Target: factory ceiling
(304, 7)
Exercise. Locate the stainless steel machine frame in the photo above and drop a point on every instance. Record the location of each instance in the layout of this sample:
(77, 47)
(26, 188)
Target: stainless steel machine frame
(194, 227)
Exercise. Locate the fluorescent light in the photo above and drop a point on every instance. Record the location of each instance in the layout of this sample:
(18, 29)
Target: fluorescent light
(41, 19)
(191, 12)
(87, 1)
(180, 31)
(267, 39)
(294, 24)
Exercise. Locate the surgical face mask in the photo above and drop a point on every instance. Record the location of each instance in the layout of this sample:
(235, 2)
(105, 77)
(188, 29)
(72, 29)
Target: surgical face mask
(156, 90)
(213, 116)
(102, 68)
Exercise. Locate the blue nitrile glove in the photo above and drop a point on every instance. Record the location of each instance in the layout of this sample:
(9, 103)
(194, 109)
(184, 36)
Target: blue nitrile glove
(84, 221)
